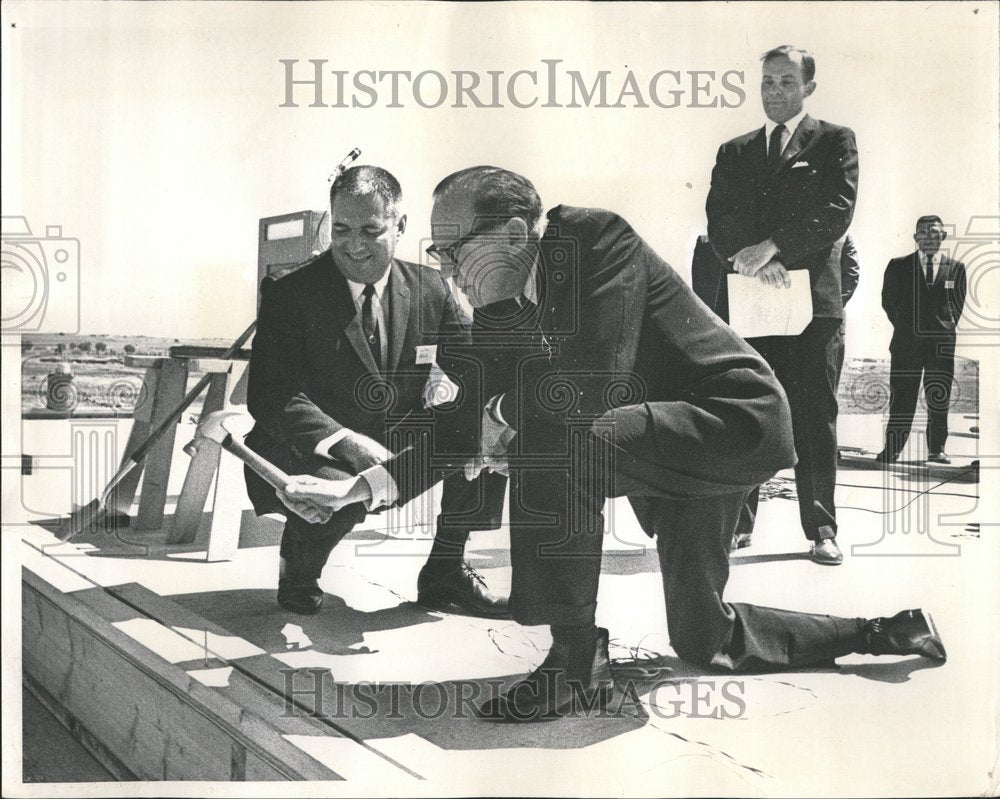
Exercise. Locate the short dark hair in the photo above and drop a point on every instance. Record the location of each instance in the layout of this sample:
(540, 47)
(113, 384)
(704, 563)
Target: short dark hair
(497, 193)
(928, 219)
(364, 181)
(807, 61)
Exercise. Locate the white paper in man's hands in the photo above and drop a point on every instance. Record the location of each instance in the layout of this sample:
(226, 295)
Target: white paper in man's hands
(757, 309)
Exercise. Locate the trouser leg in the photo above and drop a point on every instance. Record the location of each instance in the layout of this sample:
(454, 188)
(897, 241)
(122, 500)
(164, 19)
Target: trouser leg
(467, 505)
(812, 395)
(904, 383)
(939, 374)
(692, 538)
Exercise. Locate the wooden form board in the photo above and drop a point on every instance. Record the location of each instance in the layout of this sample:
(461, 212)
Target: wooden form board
(157, 721)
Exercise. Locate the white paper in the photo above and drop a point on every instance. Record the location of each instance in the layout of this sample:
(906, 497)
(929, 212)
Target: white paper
(758, 309)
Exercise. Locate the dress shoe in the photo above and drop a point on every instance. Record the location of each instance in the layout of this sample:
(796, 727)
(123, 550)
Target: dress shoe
(573, 677)
(938, 457)
(458, 587)
(909, 632)
(884, 457)
(827, 552)
(303, 598)
(741, 541)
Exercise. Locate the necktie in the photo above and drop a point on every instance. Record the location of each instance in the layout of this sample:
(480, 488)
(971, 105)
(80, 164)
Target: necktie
(369, 324)
(930, 270)
(774, 146)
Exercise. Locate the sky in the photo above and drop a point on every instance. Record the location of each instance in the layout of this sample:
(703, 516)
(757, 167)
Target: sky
(154, 133)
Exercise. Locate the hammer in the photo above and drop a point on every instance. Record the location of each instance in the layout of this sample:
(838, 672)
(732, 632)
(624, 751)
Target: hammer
(213, 428)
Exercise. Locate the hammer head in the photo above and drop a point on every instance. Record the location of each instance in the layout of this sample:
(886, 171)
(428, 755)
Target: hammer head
(216, 426)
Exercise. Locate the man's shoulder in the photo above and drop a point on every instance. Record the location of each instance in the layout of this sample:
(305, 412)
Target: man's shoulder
(418, 276)
(824, 128)
(902, 260)
(302, 277)
(572, 221)
(744, 139)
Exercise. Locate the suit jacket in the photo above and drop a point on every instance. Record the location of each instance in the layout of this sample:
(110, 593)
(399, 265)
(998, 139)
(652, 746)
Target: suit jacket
(919, 313)
(805, 205)
(615, 325)
(311, 371)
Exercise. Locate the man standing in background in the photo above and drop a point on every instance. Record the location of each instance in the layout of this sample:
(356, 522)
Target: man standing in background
(923, 295)
(782, 197)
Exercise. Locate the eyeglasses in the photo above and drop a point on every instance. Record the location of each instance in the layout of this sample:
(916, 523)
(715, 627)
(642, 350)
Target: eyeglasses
(449, 254)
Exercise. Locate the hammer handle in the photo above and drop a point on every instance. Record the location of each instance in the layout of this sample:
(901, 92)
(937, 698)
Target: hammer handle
(271, 473)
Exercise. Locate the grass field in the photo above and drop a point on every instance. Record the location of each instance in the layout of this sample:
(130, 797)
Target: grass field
(101, 379)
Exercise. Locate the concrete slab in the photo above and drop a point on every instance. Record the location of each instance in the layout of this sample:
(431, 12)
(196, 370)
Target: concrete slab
(399, 678)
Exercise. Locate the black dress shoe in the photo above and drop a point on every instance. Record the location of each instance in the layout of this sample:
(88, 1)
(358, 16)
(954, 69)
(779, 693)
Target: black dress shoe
(884, 457)
(938, 457)
(458, 588)
(909, 632)
(572, 678)
(303, 598)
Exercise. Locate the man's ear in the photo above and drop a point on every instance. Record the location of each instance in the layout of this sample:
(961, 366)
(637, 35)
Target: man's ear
(517, 231)
(401, 225)
(810, 87)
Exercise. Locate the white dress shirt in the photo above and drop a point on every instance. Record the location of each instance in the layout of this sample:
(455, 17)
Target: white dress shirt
(791, 126)
(935, 264)
(383, 488)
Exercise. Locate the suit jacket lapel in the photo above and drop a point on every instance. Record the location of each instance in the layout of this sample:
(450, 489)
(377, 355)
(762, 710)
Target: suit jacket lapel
(350, 319)
(398, 313)
(803, 133)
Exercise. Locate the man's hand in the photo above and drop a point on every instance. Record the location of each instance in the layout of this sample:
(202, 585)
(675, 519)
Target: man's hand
(360, 451)
(307, 509)
(750, 260)
(774, 274)
(496, 437)
(477, 465)
(314, 493)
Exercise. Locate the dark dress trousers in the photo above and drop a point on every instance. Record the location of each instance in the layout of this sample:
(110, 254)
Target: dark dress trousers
(923, 344)
(620, 382)
(805, 205)
(313, 373)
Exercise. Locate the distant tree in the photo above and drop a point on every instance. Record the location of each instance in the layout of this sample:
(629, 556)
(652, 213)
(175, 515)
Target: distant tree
(60, 348)
(129, 349)
(100, 346)
(83, 346)
(73, 345)
(26, 345)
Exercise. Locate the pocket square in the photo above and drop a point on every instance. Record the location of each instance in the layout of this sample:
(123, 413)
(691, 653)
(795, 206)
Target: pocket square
(799, 164)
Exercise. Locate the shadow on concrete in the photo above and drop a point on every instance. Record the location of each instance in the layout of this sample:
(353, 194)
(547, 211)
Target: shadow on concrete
(337, 629)
(896, 672)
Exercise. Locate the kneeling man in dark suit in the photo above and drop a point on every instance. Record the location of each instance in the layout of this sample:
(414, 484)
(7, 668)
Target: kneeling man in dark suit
(342, 354)
(595, 372)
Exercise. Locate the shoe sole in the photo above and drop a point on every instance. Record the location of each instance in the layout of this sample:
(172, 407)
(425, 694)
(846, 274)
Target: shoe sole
(454, 609)
(934, 631)
(566, 711)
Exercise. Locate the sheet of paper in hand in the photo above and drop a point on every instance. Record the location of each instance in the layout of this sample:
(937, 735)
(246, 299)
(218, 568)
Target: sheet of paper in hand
(757, 309)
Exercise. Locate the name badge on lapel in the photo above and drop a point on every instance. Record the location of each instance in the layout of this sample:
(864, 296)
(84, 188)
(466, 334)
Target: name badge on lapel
(427, 353)
(949, 284)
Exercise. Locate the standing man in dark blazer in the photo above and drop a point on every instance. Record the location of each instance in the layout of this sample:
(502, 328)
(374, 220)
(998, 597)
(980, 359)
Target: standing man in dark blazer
(595, 372)
(782, 197)
(923, 295)
(342, 354)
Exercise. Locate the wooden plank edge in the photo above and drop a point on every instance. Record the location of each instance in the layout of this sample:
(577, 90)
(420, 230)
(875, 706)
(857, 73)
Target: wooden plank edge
(247, 729)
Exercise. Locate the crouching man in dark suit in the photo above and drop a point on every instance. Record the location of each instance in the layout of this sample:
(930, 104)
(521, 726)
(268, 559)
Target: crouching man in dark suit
(923, 295)
(343, 350)
(601, 374)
